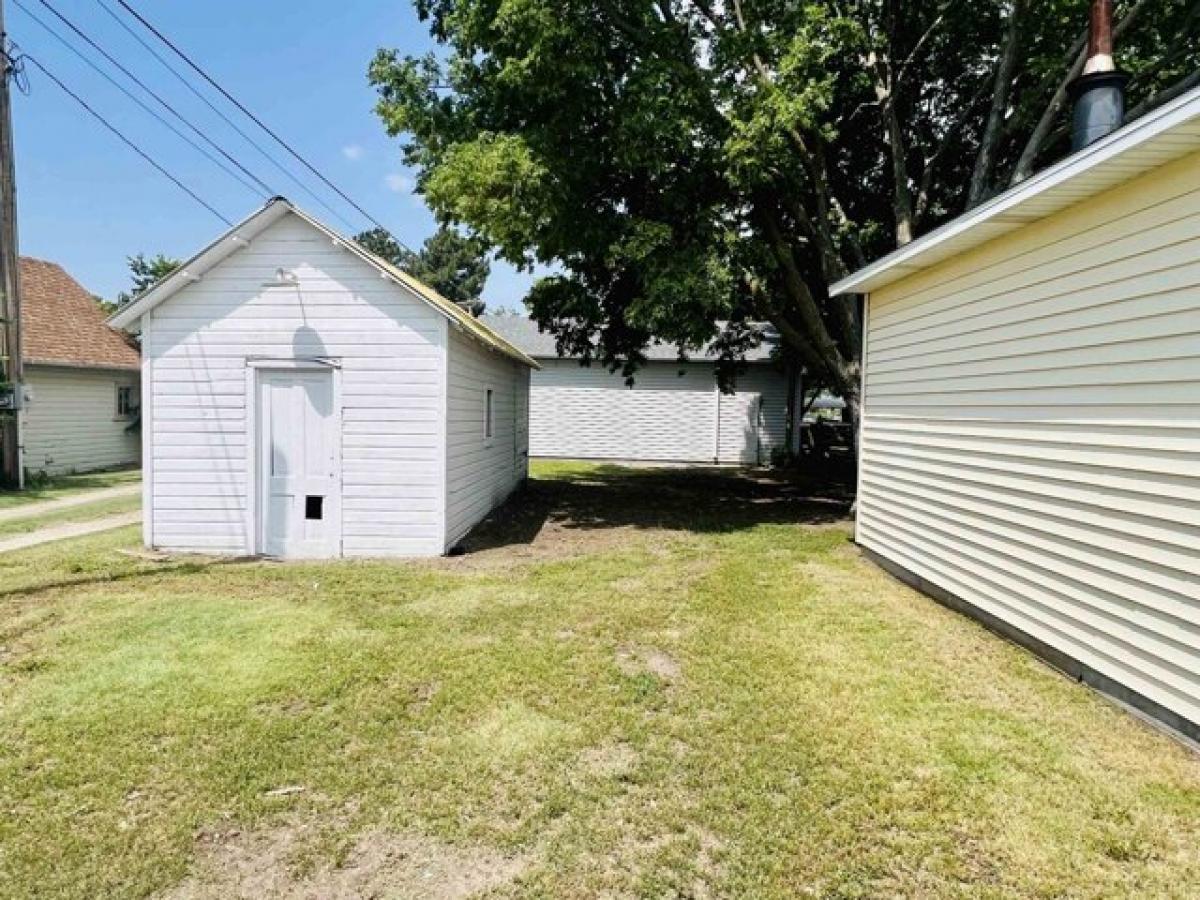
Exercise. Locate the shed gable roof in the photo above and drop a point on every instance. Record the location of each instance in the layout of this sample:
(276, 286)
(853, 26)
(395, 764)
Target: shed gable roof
(1157, 138)
(62, 324)
(243, 233)
(526, 335)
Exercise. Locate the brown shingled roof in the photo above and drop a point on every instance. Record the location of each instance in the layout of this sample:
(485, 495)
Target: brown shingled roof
(63, 325)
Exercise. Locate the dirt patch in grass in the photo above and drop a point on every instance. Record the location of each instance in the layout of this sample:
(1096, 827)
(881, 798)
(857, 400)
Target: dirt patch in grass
(422, 695)
(635, 661)
(571, 511)
(253, 865)
(554, 540)
(287, 706)
(616, 759)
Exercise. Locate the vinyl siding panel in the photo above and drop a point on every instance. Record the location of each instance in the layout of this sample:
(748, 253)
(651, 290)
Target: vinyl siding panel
(754, 418)
(481, 472)
(672, 413)
(391, 349)
(1031, 433)
(72, 425)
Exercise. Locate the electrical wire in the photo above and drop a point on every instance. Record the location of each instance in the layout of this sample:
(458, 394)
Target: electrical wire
(129, 143)
(141, 103)
(13, 65)
(263, 186)
(226, 119)
(257, 121)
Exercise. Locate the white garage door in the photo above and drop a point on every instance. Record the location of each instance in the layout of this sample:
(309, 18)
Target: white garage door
(588, 413)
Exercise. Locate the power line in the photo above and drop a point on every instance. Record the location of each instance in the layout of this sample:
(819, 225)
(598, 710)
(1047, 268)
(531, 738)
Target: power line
(265, 188)
(129, 143)
(257, 121)
(128, 93)
(226, 119)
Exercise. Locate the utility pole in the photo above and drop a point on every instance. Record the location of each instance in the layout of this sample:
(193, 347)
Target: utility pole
(12, 473)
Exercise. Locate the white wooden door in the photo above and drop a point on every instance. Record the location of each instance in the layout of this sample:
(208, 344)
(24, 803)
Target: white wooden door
(300, 510)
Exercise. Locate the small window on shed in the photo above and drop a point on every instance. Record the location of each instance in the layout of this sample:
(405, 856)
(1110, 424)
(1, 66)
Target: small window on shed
(489, 415)
(125, 405)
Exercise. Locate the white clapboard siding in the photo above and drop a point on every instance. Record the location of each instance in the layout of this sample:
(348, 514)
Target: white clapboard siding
(672, 413)
(1031, 432)
(481, 471)
(71, 425)
(521, 459)
(739, 425)
(754, 417)
(391, 347)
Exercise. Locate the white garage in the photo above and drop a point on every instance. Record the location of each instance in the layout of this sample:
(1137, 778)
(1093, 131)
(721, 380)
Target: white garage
(673, 411)
(303, 398)
(1031, 419)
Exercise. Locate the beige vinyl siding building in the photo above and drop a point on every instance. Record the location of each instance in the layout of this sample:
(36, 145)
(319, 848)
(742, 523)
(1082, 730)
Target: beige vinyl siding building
(1031, 423)
(673, 412)
(305, 399)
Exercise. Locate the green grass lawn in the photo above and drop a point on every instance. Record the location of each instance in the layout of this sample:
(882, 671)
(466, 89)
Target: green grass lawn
(84, 512)
(648, 683)
(69, 485)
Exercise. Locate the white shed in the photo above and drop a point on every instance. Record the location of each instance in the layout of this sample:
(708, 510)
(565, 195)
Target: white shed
(673, 412)
(303, 398)
(1031, 425)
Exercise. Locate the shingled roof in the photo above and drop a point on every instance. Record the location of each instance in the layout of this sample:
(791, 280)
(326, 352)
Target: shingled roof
(527, 336)
(63, 325)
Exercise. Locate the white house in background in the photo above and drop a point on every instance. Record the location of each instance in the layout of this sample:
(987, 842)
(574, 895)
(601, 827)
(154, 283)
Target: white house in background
(81, 378)
(1031, 421)
(303, 398)
(673, 412)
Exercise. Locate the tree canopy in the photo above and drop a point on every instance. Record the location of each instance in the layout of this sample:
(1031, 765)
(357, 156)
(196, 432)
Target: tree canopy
(453, 264)
(144, 273)
(694, 165)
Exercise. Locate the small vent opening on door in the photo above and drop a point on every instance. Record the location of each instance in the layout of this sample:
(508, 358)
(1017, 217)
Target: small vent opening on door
(314, 508)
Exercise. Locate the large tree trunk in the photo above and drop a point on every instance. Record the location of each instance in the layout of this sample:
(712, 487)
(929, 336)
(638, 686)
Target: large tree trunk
(808, 333)
(985, 161)
(902, 197)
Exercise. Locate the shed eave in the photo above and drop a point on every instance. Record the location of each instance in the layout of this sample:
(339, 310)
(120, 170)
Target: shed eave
(1157, 138)
(129, 316)
(47, 363)
(240, 236)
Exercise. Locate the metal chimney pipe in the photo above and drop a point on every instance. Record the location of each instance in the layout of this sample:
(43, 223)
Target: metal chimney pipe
(1100, 38)
(1099, 93)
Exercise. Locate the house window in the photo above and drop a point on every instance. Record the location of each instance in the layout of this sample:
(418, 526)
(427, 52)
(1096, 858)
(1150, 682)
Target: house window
(125, 405)
(489, 416)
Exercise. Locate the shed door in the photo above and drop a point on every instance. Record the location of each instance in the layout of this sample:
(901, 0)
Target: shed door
(298, 454)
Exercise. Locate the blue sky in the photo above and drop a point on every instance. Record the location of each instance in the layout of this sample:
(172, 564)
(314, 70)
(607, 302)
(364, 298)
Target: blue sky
(87, 201)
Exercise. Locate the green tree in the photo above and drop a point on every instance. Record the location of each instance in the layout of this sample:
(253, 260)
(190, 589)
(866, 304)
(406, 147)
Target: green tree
(689, 162)
(383, 245)
(453, 264)
(145, 273)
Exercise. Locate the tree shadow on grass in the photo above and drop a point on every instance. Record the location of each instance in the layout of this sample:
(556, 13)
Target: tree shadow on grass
(706, 500)
(188, 566)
